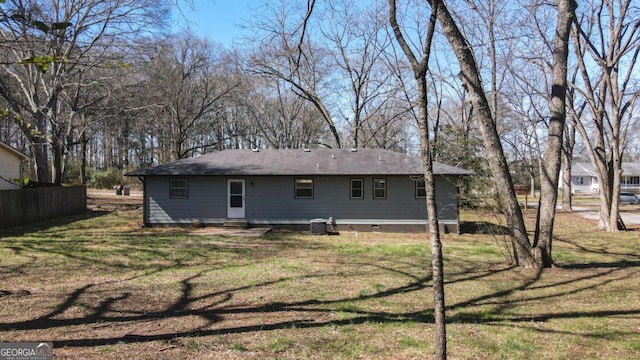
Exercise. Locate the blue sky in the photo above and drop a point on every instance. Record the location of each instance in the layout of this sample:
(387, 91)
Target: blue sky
(217, 19)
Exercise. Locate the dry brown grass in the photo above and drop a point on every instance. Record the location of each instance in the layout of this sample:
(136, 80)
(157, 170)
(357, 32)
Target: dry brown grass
(100, 286)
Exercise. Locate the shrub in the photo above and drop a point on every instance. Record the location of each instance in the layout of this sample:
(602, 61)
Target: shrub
(103, 179)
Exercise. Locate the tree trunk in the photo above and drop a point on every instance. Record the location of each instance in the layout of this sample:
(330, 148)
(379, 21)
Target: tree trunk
(39, 145)
(420, 71)
(437, 266)
(616, 179)
(470, 77)
(41, 157)
(566, 181)
(567, 155)
(83, 157)
(552, 161)
(57, 149)
(531, 172)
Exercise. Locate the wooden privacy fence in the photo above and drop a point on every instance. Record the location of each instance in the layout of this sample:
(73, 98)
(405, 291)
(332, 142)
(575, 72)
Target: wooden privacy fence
(24, 206)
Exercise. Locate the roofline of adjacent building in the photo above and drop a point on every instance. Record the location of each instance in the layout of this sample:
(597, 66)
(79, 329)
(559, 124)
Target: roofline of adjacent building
(13, 150)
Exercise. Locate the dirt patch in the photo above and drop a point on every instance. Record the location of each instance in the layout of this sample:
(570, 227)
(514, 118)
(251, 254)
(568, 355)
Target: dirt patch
(102, 200)
(250, 232)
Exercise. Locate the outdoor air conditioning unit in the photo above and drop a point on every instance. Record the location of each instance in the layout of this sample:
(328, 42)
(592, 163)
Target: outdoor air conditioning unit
(318, 226)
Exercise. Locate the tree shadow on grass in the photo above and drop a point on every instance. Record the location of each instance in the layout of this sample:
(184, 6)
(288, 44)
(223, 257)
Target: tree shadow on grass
(616, 265)
(620, 259)
(483, 227)
(117, 304)
(213, 308)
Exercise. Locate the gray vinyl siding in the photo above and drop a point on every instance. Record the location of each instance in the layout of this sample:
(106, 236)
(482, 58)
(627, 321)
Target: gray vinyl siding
(206, 202)
(271, 199)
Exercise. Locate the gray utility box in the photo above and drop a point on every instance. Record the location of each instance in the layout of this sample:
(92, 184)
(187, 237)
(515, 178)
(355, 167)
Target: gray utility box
(319, 226)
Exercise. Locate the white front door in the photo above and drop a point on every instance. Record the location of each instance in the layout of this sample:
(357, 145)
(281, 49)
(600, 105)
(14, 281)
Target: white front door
(235, 199)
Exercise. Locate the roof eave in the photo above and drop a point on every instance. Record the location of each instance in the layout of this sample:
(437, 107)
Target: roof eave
(13, 151)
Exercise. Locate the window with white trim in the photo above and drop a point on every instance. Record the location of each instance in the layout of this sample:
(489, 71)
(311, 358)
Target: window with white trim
(379, 188)
(357, 189)
(179, 189)
(579, 180)
(631, 180)
(421, 189)
(304, 189)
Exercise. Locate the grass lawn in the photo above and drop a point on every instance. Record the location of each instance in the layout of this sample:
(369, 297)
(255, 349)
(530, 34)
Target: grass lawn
(101, 287)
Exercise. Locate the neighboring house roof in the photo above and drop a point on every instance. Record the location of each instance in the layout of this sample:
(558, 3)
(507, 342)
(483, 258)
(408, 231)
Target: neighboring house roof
(582, 169)
(586, 169)
(13, 151)
(299, 162)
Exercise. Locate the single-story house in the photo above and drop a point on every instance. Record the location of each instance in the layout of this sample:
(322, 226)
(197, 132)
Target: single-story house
(11, 167)
(357, 189)
(585, 180)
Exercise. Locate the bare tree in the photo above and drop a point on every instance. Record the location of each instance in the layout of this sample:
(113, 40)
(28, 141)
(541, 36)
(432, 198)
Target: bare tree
(282, 119)
(420, 64)
(190, 75)
(288, 53)
(525, 253)
(489, 32)
(555, 136)
(47, 42)
(567, 152)
(355, 33)
(527, 100)
(470, 77)
(90, 103)
(606, 45)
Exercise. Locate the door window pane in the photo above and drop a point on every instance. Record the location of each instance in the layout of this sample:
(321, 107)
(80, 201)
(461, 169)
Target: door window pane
(235, 194)
(235, 187)
(235, 201)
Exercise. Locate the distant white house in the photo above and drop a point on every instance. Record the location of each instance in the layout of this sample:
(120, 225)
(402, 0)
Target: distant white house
(11, 166)
(585, 180)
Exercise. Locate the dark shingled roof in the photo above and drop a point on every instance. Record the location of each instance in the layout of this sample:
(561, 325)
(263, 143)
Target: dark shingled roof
(298, 162)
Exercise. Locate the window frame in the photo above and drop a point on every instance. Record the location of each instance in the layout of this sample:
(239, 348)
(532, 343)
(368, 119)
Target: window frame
(579, 180)
(375, 189)
(174, 187)
(296, 188)
(351, 188)
(423, 188)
